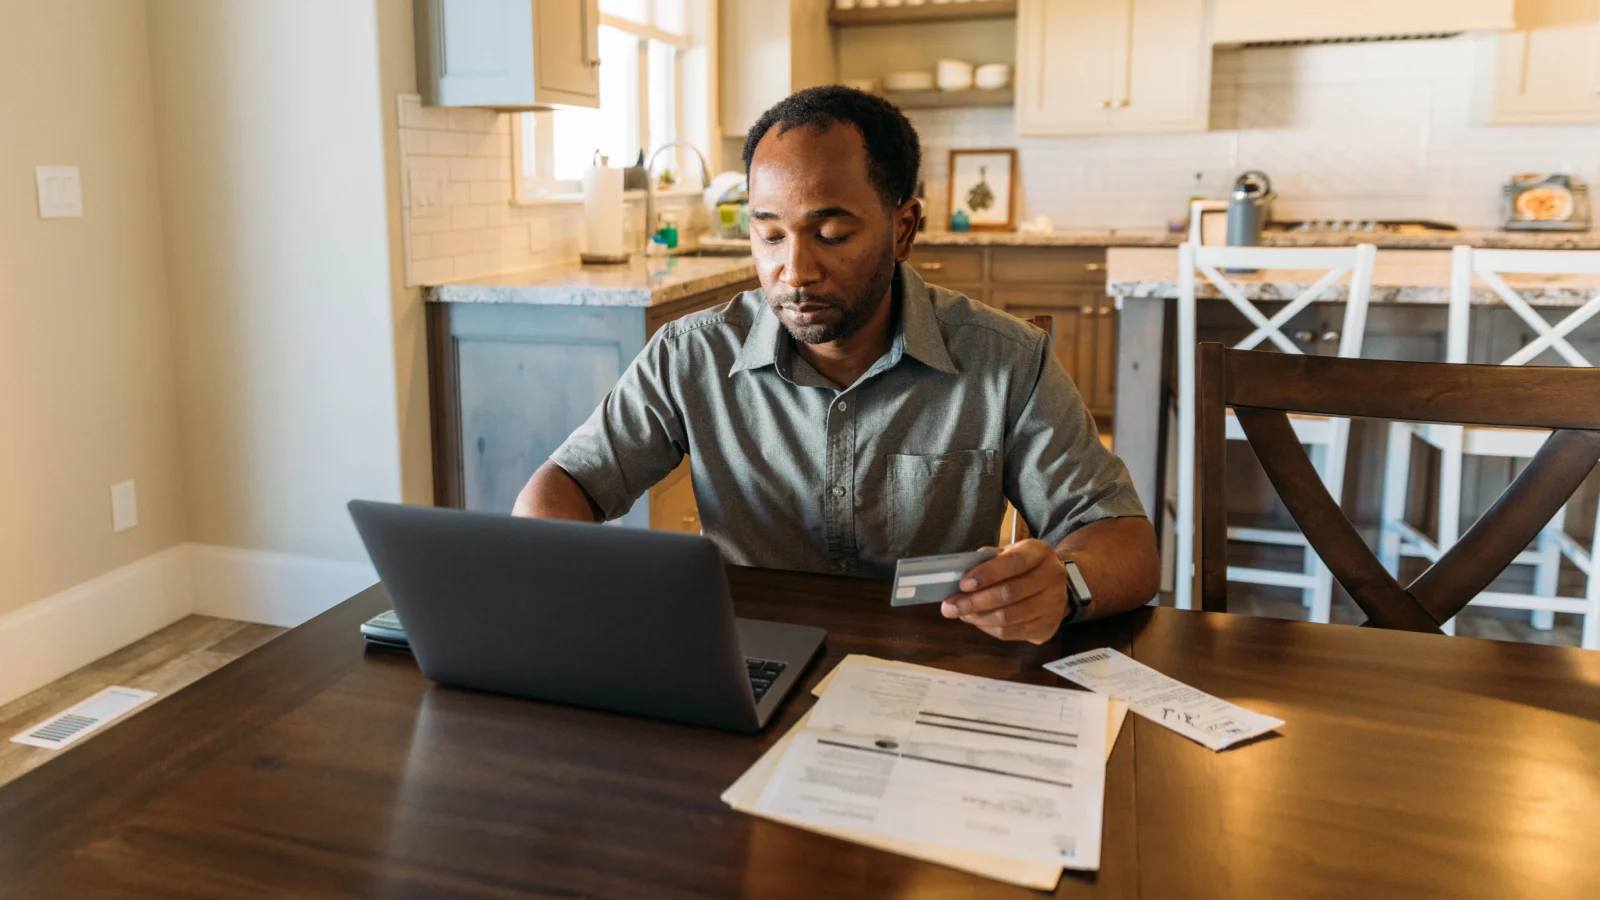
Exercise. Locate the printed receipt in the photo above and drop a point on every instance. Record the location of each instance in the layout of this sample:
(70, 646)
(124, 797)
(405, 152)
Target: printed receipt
(1193, 713)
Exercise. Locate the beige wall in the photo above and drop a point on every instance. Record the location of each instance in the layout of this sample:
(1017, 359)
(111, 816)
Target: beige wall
(271, 155)
(86, 376)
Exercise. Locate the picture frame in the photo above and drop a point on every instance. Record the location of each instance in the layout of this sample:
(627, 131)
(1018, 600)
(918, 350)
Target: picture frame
(987, 180)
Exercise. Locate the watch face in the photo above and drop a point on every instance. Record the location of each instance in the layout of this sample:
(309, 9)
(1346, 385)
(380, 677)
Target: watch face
(1075, 583)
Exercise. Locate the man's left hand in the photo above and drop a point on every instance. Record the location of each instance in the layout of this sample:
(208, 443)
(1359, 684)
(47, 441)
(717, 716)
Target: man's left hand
(1020, 595)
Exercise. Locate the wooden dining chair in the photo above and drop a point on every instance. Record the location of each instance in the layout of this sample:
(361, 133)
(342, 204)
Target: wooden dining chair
(1263, 388)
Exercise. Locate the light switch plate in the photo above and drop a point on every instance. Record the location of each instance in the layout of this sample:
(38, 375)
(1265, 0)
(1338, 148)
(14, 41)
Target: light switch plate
(124, 506)
(60, 192)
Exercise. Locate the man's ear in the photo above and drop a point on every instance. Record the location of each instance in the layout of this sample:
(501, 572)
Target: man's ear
(906, 219)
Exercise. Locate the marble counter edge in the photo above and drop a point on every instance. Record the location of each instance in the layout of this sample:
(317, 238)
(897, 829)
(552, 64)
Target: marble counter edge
(1285, 291)
(575, 294)
(1496, 240)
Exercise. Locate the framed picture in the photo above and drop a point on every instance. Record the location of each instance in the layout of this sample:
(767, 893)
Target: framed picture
(983, 184)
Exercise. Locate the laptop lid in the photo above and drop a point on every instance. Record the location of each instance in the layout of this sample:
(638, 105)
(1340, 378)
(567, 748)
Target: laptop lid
(622, 619)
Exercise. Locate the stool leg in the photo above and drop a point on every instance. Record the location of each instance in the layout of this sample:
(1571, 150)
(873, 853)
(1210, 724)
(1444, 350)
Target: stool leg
(1591, 618)
(1450, 501)
(1547, 573)
(1396, 480)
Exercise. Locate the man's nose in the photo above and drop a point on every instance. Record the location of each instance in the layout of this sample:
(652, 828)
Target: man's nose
(800, 265)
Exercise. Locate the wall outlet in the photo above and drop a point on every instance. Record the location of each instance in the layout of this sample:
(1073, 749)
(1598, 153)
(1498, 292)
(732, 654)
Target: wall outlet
(60, 192)
(124, 506)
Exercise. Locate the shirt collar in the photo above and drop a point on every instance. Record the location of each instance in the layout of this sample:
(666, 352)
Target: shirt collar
(917, 334)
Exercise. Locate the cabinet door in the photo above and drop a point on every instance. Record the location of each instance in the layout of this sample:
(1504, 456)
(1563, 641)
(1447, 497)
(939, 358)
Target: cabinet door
(1549, 69)
(1103, 400)
(567, 52)
(1074, 331)
(475, 52)
(1066, 58)
(1165, 82)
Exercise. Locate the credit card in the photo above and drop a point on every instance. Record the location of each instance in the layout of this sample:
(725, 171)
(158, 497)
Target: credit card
(930, 579)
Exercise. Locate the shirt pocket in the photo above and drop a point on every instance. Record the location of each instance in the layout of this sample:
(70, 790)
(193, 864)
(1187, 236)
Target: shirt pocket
(942, 503)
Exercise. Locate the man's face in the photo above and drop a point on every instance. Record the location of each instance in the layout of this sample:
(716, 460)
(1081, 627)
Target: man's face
(825, 244)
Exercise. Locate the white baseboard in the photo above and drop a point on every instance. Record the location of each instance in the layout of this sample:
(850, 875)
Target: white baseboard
(58, 635)
(271, 588)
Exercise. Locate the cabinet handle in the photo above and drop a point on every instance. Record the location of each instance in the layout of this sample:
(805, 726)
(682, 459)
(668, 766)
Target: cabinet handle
(1105, 310)
(1304, 337)
(1086, 310)
(1330, 336)
(1119, 104)
(1105, 104)
(1094, 267)
(930, 266)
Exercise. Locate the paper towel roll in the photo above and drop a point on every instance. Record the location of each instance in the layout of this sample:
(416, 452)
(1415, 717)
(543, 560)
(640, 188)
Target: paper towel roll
(602, 211)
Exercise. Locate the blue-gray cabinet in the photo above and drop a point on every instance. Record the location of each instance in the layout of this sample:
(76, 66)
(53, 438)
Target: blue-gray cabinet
(509, 381)
(508, 54)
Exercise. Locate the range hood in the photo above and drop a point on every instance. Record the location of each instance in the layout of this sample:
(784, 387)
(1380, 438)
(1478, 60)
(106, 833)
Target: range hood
(1336, 21)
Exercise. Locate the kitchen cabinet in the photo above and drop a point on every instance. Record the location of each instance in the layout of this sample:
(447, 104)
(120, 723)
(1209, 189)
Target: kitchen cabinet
(1113, 66)
(768, 50)
(508, 54)
(508, 382)
(1066, 283)
(1548, 69)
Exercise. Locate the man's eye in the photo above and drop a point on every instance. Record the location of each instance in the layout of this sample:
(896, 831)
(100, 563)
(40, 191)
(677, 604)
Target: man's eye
(771, 239)
(833, 240)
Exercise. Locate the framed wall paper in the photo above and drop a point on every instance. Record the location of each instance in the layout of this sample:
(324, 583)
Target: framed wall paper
(983, 185)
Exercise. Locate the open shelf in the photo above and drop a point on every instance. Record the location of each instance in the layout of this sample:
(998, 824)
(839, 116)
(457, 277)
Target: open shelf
(926, 12)
(948, 99)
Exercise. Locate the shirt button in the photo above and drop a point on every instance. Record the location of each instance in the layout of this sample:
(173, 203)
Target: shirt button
(838, 492)
(843, 406)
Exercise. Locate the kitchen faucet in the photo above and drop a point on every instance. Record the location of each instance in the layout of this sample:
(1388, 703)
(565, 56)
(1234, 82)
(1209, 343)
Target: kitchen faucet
(650, 184)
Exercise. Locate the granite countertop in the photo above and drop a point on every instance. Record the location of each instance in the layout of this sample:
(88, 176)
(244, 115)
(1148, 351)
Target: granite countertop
(640, 282)
(1134, 237)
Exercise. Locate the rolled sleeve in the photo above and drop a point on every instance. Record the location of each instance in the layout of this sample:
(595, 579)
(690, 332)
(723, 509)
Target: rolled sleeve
(633, 439)
(1057, 473)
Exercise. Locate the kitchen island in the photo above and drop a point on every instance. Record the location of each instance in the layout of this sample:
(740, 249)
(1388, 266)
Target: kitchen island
(516, 362)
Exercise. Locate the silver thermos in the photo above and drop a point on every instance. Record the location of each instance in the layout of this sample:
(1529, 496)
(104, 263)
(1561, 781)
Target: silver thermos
(1249, 207)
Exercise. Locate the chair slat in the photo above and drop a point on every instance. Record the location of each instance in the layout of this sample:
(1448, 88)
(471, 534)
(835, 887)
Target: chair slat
(1325, 526)
(1513, 397)
(1520, 513)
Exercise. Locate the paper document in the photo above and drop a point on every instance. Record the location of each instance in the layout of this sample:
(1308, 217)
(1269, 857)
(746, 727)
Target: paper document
(1191, 712)
(1007, 769)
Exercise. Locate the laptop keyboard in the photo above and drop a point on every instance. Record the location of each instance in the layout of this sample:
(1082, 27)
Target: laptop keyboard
(763, 672)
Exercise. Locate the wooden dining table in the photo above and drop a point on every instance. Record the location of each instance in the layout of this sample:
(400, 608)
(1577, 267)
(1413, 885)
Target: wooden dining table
(1409, 766)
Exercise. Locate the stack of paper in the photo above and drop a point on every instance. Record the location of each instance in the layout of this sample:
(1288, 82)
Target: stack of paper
(1000, 779)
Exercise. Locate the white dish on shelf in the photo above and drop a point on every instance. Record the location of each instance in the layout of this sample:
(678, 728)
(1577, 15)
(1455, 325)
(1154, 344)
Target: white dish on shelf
(954, 75)
(992, 77)
(908, 81)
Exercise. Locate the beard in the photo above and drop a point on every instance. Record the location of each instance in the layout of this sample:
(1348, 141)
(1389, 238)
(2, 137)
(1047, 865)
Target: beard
(854, 312)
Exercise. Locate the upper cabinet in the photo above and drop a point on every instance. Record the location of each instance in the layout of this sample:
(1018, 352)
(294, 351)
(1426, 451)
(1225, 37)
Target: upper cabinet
(1548, 69)
(508, 54)
(1112, 66)
(1253, 21)
(770, 49)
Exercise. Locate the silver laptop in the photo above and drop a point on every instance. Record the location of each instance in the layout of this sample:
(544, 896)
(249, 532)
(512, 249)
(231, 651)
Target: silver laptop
(620, 619)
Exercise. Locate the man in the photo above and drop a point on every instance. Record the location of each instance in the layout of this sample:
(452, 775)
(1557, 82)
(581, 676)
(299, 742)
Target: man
(847, 414)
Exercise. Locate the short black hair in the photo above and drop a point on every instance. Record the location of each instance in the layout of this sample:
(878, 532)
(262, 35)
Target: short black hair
(894, 154)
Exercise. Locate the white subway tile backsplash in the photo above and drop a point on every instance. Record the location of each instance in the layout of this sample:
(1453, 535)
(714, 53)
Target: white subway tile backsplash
(489, 192)
(1346, 131)
(446, 143)
(470, 216)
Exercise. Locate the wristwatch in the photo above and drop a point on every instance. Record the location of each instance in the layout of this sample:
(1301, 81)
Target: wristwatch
(1078, 597)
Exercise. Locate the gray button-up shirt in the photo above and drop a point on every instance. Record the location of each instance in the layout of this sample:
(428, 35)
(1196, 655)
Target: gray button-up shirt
(968, 408)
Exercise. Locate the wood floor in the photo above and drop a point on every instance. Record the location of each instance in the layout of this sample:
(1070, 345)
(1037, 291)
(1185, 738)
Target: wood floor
(165, 661)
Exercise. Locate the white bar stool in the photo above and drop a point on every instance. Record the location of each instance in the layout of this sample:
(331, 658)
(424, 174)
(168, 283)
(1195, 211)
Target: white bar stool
(1455, 442)
(1328, 438)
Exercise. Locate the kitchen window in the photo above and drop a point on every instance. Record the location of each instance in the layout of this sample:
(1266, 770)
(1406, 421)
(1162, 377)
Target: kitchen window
(655, 86)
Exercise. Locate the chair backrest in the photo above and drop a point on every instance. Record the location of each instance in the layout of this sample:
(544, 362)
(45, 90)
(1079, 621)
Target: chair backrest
(1332, 262)
(1262, 388)
(1490, 265)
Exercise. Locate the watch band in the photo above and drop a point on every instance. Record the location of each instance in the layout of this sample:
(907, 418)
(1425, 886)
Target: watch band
(1078, 596)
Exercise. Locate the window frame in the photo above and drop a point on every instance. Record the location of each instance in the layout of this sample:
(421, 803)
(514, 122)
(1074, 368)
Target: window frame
(542, 187)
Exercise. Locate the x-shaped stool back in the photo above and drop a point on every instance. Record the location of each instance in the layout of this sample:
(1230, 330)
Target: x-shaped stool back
(1491, 265)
